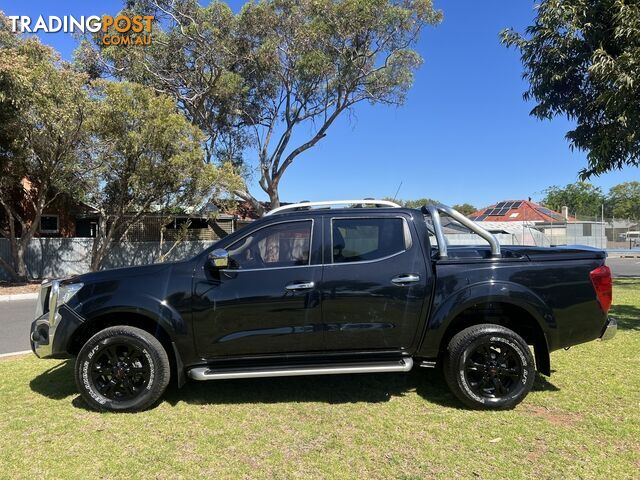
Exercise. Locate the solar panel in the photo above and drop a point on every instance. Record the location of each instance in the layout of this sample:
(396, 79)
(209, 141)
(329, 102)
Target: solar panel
(480, 218)
(503, 211)
(516, 204)
(500, 205)
(508, 204)
(550, 213)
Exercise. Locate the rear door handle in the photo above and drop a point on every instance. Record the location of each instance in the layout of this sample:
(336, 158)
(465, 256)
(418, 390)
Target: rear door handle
(405, 279)
(300, 286)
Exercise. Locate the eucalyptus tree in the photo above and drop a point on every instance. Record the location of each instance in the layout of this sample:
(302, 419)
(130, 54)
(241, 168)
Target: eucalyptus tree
(258, 81)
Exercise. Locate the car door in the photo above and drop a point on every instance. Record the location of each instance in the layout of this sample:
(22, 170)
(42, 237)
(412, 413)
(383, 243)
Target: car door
(267, 300)
(374, 283)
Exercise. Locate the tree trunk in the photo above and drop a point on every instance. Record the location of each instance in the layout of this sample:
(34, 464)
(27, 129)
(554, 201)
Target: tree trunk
(274, 197)
(99, 247)
(18, 270)
(21, 269)
(13, 275)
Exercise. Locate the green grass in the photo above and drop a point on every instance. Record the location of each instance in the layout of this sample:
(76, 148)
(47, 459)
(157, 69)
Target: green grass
(583, 422)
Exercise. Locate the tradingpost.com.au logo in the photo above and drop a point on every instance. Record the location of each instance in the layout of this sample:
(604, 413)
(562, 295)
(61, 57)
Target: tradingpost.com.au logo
(119, 30)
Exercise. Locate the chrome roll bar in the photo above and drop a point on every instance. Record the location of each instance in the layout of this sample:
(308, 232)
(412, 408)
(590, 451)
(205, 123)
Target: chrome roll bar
(434, 212)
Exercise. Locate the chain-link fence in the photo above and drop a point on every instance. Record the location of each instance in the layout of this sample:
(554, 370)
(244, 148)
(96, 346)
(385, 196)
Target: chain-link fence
(596, 231)
(592, 231)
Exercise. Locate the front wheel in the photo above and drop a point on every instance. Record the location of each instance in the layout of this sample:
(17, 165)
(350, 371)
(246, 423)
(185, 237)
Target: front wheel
(488, 366)
(122, 369)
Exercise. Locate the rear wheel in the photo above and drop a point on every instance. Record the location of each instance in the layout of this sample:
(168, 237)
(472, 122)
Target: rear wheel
(123, 369)
(489, 367)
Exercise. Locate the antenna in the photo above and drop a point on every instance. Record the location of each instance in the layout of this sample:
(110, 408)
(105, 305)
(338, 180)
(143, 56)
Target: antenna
(397, 191)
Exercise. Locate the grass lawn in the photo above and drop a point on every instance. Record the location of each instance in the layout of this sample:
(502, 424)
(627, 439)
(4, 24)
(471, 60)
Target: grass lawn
(583, 422)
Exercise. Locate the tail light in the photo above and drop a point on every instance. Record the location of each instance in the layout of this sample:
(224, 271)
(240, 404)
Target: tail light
(601, 279)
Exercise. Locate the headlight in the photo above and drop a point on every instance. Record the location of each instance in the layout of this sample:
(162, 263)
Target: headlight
(67, 292)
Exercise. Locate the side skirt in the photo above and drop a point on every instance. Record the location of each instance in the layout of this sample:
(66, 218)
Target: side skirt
(207, 373)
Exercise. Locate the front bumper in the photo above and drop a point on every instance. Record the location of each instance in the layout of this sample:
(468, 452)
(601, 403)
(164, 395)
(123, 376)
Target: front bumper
(609, 330)
(54, 325)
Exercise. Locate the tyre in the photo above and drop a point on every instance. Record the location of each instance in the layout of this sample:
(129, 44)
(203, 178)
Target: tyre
(122, 369)
(489, 367)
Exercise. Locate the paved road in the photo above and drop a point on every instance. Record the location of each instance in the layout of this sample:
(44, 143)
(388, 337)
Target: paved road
(624, 267)
(15, 319)
(16, 316)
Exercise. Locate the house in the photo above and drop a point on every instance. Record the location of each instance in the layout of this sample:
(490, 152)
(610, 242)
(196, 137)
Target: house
(63, 217)
(517, 211)
(532, 224)
(67, 217)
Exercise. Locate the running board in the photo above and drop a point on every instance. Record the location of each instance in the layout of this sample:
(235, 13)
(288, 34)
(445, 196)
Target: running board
(206, 373)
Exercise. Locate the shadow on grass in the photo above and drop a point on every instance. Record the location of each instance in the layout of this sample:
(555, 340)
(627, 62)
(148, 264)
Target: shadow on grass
(58, 383)
(628, 316)
(332, 389)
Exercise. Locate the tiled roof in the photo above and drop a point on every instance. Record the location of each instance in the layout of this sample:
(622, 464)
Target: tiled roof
(516, 211)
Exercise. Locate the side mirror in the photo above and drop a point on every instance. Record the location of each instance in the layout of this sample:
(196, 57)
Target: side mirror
(219, 258)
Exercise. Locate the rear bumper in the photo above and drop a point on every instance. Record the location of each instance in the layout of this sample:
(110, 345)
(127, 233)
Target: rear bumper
(609, 330)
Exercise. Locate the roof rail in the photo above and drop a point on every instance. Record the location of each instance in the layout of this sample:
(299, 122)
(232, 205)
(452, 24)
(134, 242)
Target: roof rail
(295, 206)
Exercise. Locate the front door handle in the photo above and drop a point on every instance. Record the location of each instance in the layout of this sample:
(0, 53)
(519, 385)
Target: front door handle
(405, 279)
(300, 286)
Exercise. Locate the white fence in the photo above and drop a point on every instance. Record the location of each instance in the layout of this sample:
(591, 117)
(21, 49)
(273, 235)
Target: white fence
(60, 257)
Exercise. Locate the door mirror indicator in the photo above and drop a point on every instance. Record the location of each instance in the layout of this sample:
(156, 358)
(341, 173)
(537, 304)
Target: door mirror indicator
(219, 258)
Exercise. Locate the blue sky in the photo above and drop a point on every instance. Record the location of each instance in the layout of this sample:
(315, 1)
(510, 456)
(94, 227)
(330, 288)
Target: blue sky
(464, 135)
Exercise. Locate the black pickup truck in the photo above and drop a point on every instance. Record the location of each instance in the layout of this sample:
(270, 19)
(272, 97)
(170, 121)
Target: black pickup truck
(311, 290)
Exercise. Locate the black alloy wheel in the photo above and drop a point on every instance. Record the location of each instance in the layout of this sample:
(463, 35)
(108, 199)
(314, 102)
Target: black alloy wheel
(493, 369)
(122, 369)
(488, 366)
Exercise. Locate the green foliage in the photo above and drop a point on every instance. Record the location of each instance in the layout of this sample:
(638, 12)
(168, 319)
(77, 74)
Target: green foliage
(582, 60)
(623, 200)
(465, 208)
(418, 203)
(277, 67)
(43, 137)
(148, 153)
(148, 157)
(582, 198)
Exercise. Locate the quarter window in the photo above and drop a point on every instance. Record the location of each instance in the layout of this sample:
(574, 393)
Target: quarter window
(363, 239)
(279, 245)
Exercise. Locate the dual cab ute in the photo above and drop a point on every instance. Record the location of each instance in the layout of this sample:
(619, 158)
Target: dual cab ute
(310, 290)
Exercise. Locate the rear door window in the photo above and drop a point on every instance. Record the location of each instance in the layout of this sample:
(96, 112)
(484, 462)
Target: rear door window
(366, 239)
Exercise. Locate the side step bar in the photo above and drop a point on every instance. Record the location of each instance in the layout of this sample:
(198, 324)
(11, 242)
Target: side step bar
(206, 373)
